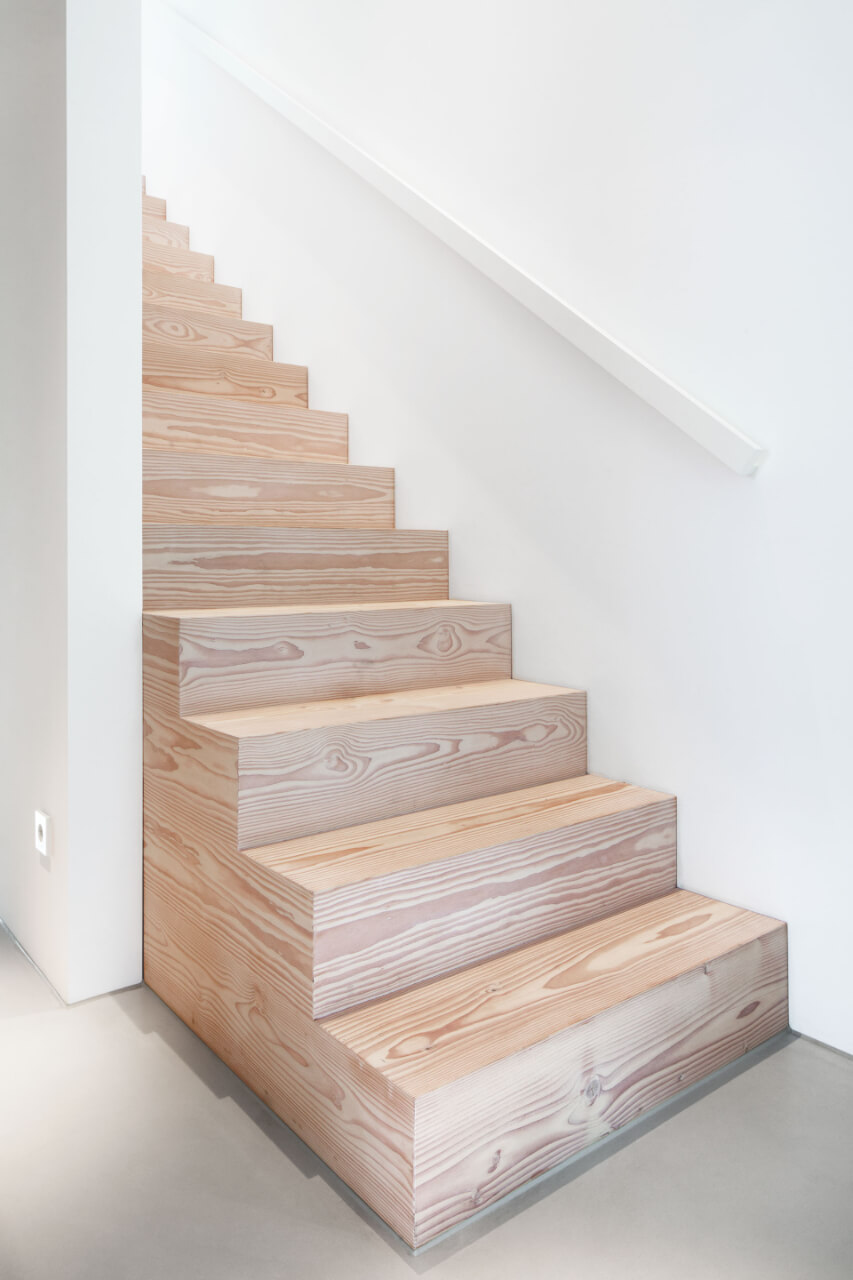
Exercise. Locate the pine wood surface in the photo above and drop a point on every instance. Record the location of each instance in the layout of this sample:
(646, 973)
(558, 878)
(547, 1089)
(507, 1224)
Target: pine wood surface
(337, 859)
(254, 722)
(215, 372)
(226, 947)
(491, 1131)
(196, 565)
(426, 1038)
(153, 206)
(181, 262)
(232, 659)
(188, 423)
(156, 230)
(166, 289)
(186, 488)
(378, 881)
(411, 924)
(194, 329)
(294, 783)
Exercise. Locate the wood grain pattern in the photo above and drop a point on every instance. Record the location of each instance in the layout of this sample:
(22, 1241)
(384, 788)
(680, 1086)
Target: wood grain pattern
(186, 565)
(153, 206)
(604, 849)
(187, 488)
(169, 290)
(213, 372)
(193, 329)
(315, 766)
(179, 420)
(223, 941)
(425, 1039)
(181, 262)
(352, 810)
(156, 230)
(491, 1131)
(245, 658)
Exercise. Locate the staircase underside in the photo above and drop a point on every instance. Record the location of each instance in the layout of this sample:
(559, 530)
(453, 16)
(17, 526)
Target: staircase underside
(379, 881)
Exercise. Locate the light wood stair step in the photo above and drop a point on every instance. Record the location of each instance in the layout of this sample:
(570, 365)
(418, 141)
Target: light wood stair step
(181, 420)
(194, 329)
(518, 1063)
(214, 372)
(195, 488)
(156, 230)
(181, 262)
(400, 902)
(236, 658)
(153, 206)
(169, 290)
(314, 766)
(197, 565)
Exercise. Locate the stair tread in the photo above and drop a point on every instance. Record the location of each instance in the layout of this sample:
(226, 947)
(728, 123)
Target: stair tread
(295, 717)
(224, 489)
(273, 610)
(221, 372)
(190, 325)
(430, 1036)
(333, 859)
(168, 288)
(186, 422)
(168, 259)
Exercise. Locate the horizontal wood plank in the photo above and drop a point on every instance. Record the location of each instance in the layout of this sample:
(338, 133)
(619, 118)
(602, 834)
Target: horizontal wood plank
(195, 489)
(214, 372)
(166, 289)
(156, 230)
(492, 1130)
(186, 565)
(193, 329)
(180, 420)
(389, 917)
(425, 1039)
(315, 766)
(181, 262)
(153, 207)
(234, 659)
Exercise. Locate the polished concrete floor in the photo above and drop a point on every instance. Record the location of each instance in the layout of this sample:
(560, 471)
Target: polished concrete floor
(129, 1152)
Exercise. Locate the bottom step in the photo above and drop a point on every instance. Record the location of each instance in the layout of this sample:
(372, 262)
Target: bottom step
(514, 1065)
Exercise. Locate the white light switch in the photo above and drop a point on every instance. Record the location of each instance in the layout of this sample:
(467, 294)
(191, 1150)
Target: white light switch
(42, 833)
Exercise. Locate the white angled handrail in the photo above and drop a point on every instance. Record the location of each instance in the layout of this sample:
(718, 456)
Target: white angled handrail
(725, 441)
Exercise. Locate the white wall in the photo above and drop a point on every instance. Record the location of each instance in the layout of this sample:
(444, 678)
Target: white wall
(71, 481)
(680, 174)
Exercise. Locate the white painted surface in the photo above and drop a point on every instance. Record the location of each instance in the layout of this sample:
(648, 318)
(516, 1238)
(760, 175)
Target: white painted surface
(33, 616)
(104, 497)
(681, 173)
(722, 439)
(70, 477)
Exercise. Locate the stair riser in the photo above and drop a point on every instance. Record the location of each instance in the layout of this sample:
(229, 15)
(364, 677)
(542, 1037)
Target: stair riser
(169, 290)
(153, 207)
(483, 1136)
(199, 329)
(186, 489)
(181, 262)
(158, 231)
(186, 567)
(206, 371)
(384, 934)
(295, 784)
(212, 425)
(230, 663)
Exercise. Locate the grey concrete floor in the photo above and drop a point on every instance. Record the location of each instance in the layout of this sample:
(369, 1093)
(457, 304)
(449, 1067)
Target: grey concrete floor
(129, 1152)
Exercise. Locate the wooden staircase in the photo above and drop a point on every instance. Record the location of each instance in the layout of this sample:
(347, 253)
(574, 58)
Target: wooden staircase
(379, 881)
